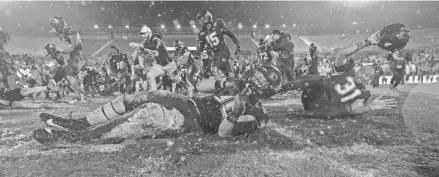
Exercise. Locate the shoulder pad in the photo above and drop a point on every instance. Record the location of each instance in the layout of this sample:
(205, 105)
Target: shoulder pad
(220, 23)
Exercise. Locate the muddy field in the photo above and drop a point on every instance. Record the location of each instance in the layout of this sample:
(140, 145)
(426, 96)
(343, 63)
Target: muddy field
(399, 142)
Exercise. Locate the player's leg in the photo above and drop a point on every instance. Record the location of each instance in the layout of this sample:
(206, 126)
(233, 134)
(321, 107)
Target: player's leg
(119, 107)
(399, 78)
(149, 119)
(154, 72)
(72, 69)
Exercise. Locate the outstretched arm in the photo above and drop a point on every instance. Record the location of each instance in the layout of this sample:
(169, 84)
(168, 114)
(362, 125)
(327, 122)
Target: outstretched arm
(305, 82)
(342, 56)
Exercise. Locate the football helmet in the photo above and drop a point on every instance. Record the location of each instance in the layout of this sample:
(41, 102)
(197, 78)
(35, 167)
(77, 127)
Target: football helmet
(204, 17)
(178, 44)
(146, 32)
(57, 23)
(4, 36)
(49, 49)
(265, 81)
(393, 37)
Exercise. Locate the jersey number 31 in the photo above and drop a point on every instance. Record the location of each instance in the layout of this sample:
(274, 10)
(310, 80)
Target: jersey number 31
(349, 90)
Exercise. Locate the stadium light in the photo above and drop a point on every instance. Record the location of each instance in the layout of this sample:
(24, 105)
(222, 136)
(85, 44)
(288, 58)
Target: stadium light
(240, 25)
(193, 26)
(178, 26)
(294, 25)
(162, 26)
(127, 26)
(109, 26)
(284, 25)
(96, 26)
(267, 26)
(254, 26)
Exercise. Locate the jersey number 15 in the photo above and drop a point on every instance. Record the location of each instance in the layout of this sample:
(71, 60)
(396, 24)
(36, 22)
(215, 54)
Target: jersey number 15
(213, 39)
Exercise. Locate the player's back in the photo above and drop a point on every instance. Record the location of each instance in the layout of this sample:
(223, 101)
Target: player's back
(343, 84)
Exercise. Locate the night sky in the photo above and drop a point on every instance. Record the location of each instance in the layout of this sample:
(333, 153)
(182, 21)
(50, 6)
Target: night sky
(313, 17)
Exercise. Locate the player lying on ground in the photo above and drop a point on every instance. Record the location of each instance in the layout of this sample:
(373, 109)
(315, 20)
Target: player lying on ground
(344, 94)
(318, 102)
(233, 111)
(13, 98)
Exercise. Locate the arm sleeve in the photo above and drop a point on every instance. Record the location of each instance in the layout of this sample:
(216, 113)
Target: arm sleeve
(231, 35)
(329, 112)
(305, 82)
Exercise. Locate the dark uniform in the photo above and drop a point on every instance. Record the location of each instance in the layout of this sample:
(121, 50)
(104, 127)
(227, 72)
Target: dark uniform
(72, 68)
(398, 67)
(215, 38)
(264, 54)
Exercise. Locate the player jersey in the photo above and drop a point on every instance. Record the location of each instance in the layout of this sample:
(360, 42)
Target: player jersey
(214, 37)
(118, 63)
(344, 88)
(158, 50)
(399, 63)
(264, 54)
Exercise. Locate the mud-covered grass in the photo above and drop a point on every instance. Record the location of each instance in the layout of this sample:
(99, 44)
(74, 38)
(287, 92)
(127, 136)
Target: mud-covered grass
(382, 143)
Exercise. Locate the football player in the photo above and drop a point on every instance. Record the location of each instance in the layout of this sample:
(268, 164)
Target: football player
(233, 111)
(397, 62)
(60, 71)
(7, 68)
(73, 39)
(154, 45)
(265, 52)
(13, 98)
(212, 33)
(285, 50)
(120, 66)
(343, 93)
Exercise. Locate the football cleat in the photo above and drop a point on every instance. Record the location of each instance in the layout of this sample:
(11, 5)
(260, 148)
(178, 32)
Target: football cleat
(57, 138)
(61, 123)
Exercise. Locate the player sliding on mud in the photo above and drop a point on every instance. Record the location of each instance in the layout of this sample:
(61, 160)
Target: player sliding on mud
(233, 110)
(343, 94)
(13, 98)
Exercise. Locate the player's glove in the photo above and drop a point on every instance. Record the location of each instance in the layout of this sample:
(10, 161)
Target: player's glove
(238, 49)
(375, 38)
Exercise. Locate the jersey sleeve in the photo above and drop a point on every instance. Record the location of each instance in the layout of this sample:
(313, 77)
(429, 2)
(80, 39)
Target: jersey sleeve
(331, 111)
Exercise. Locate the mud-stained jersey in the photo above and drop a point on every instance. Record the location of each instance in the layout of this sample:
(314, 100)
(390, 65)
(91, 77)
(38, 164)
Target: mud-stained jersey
(158, 49)
(214, 37)
(344, 88)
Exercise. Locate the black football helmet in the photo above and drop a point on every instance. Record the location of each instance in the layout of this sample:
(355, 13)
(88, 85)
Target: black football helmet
(204, 17)
(178, 44)
(393, 37)
(4, 36)
(57, 23)
(265, 81)
(49, 49)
